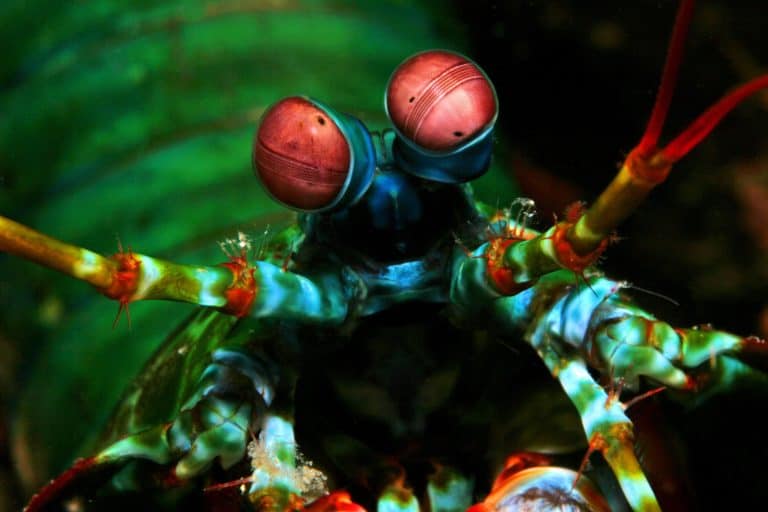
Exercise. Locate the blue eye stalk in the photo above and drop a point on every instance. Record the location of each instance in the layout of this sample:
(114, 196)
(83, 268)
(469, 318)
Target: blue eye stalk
(314, 159)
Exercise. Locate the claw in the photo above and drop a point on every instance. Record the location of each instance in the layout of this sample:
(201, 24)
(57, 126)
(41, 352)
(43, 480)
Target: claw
(627, 351)
(226, 442)
(224, 435)
(639, 345)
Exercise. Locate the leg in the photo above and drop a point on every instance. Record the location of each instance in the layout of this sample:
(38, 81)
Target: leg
(229, 401)
(570, 325)
(185, 423)
(238, 287)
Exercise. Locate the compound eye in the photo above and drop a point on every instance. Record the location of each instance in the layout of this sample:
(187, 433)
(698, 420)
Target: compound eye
(301, 155)
(439, 100)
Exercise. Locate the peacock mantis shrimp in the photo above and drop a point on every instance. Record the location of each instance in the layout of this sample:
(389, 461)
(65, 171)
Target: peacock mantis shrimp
(484, 264)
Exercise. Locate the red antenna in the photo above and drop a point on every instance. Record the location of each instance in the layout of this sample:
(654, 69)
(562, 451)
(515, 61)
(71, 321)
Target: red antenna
(647, 165)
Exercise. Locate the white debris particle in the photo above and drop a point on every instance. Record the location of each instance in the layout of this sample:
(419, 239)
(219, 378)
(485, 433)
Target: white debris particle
(310, 482)
(237, 247)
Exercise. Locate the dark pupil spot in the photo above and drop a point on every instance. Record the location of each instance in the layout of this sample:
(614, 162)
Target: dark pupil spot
(458, 134)
(321, 120)
(411, 99)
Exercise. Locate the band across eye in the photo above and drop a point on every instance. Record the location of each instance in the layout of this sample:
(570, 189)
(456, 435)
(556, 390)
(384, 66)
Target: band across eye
(440, 100)
(310, 157)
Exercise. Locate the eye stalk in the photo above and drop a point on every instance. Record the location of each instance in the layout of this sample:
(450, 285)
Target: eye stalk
(310, 157)
(443, 108)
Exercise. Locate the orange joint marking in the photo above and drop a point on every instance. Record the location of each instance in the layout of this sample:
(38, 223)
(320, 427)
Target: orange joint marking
(650, 169)
(171, 479)
(567, 256)
(596, 443)
(498, 216)
(501, 276)
(125, 282)
(242, 292)
(650, 337)
(518, 462)
(693, 384)
(277, 500)
(621, 432)
(575, 211)
(337, 501)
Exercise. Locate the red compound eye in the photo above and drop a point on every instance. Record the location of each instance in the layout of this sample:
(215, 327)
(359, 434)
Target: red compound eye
(300, 155)
(439, 99)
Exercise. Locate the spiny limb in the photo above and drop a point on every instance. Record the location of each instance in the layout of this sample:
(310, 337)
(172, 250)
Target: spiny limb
(225, 405)
(126, 277)
(515, 255)
(512, 263)
(237, 287)
(229, 401)
(602, 326)
(478, 279)
(89, 474)
(570, 324)
(608, 429)
(558, 314)
(629, 343)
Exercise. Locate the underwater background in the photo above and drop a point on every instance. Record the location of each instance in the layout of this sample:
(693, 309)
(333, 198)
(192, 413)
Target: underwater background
(134, 120)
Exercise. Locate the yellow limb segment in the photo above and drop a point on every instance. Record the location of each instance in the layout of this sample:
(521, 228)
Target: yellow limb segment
(74, 261)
